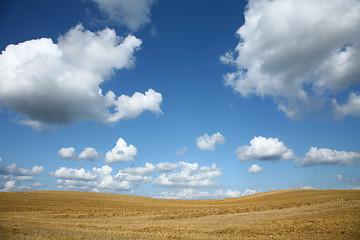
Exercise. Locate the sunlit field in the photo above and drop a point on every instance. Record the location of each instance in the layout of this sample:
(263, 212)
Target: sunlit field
(286, 214)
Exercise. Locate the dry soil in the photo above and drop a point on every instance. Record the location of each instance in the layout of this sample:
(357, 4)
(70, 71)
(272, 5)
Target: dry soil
(285, 214)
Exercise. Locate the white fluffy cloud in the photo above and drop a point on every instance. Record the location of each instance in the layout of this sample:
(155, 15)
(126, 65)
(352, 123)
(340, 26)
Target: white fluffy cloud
(67, 153)
(131, 107)
(338, 176)
(191, 193)
(302, 53)
(15, 177)
(16, 185)
(167, 167)
(15, 170)
(136, 175)
(255, 169)
(68, 88)
(262, 148)
(99, 179)
(9, 185)
(188, 193)
(164, 174)
(70, 173)
(351, 107)
(232, 194)
(189, 176)
(207, 142)
(121, 152)
(133, 14)
(325, 156)
(302, 186)
(89, 153)
(148, 168)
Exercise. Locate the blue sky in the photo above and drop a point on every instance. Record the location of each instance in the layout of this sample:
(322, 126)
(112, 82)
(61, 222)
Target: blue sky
(179, 99)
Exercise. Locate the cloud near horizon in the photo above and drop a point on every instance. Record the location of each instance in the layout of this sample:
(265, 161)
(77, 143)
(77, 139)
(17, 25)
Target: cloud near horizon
(302, 186)
(99, 179)
(191, 193)
(182, 174)
(68, 89)
(306, 62)
(15, 176)
(325, 156)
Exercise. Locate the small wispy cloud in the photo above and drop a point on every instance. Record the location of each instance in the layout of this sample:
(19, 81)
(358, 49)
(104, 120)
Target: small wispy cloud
(181, 151)
(255, 169)
(133, 14)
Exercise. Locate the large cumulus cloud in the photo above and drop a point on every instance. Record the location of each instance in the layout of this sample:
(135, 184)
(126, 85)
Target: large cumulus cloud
(302, 53)
(264, 149)
(189, 176)
(58, 84)
(172, 175)
(122, 152)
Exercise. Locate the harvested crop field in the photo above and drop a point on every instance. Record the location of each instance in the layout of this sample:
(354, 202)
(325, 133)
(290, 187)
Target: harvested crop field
(285, 214)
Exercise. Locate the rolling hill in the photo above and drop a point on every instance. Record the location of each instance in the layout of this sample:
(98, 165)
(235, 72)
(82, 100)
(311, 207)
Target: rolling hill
(284, 214)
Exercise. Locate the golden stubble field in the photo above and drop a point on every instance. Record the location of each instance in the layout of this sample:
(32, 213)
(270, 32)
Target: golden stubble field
(285, 214)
